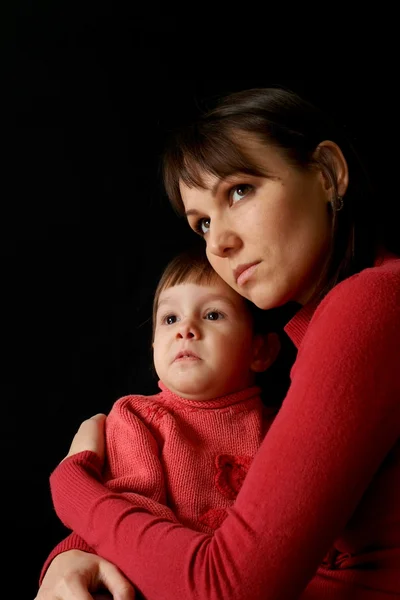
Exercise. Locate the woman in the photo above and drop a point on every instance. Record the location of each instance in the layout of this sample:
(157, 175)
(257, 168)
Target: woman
(283, 205)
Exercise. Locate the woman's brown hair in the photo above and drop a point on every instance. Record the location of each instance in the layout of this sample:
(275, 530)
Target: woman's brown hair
(279, 118)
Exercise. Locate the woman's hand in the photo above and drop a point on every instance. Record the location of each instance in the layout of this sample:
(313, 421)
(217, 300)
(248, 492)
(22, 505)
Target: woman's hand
(77, 575)
(90, 436)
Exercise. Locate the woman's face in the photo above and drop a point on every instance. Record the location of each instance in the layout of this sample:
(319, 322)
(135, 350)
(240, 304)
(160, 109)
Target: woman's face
(267, 237)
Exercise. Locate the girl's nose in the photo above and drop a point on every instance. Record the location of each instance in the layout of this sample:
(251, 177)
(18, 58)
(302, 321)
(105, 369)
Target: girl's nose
(188, 330)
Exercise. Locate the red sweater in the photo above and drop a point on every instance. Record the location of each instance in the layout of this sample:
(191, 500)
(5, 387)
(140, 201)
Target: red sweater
(189, 455)
(324, 483)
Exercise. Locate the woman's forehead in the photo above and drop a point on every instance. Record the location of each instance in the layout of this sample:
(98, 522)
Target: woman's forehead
(258, 158)
(208, 182)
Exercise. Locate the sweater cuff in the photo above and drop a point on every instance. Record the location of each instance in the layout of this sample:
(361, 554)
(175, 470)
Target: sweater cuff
(87, 459)
(75, 485)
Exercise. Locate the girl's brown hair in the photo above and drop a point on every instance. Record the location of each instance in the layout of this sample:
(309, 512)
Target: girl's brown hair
(191, 266)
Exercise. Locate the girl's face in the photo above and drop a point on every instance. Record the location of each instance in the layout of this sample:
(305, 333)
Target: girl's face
(267, 237)
(204, 345)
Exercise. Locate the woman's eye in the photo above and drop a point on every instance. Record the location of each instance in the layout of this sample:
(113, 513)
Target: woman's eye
(202, 226)
(240, 191)
(214, 315)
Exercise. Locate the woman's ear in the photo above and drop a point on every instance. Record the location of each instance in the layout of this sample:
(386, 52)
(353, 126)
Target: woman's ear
(266, 349)
(334, 168)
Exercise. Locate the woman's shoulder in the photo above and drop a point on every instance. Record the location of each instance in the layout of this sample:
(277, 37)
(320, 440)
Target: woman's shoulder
(374, 286)
(365, 301)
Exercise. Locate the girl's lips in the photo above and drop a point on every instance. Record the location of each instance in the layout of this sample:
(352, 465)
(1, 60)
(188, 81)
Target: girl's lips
(186, 355)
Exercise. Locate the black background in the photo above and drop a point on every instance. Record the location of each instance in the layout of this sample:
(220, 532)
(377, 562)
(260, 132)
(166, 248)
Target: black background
(85, 226)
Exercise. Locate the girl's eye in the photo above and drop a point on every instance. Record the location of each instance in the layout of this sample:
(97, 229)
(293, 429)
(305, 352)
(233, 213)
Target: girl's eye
(170, 319)
(202, 226)
(214, 315)
(240, 191)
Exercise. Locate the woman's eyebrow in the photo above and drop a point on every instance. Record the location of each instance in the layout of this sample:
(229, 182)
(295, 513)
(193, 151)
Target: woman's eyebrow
(214, 189)
(191, 211)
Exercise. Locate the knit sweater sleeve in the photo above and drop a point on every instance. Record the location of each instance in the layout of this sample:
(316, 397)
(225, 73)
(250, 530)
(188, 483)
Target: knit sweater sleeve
(338, 422)
(133, 467)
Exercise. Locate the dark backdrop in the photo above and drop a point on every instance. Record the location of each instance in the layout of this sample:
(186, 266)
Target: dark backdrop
(86, 229)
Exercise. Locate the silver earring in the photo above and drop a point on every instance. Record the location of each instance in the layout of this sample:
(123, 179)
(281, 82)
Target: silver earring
(337, 203)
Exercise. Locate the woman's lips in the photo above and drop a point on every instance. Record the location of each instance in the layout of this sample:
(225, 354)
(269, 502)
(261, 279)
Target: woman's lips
(244, 272)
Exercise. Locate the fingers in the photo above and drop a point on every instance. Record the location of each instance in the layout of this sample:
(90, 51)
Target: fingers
(113, 580)
(90, 436)
(93, 423)
(100, 417)
(77, 575)
(74, 589)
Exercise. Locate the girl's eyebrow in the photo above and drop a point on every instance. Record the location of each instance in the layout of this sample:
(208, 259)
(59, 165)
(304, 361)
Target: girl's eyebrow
(207, 298)
(164, 300)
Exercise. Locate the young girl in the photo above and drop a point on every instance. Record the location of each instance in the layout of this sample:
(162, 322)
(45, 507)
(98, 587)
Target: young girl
(284, 207)
(189, 446)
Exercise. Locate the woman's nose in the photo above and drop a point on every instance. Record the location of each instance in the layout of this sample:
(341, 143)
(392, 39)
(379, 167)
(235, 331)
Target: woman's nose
(221, 240)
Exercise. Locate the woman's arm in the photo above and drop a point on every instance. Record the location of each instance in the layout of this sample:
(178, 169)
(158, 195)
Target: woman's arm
(72, 571)
(340, 419)
(133, 468)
